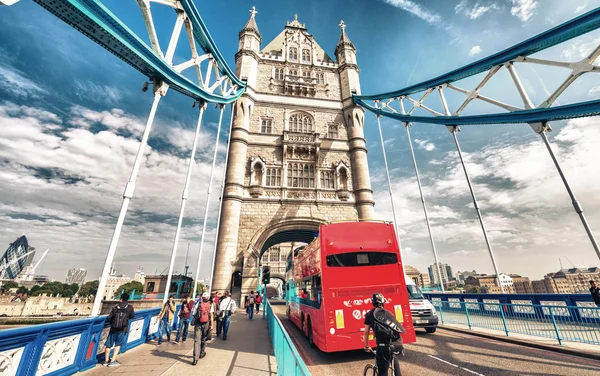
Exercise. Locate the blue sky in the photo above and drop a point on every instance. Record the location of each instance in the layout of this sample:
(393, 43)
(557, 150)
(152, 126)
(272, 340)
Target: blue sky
(71, 114)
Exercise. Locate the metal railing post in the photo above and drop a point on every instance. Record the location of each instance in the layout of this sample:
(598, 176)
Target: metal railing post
(555, 326)
(503, 318)
(468, 317)
(441, 312)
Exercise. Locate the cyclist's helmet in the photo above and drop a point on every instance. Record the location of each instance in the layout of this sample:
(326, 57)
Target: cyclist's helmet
(377, 300)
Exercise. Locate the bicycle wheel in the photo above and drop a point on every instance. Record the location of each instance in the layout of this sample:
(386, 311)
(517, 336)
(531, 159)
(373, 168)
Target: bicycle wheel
(370, 370)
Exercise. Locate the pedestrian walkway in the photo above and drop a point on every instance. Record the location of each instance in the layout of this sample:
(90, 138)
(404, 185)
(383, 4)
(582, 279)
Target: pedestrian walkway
(247, 352)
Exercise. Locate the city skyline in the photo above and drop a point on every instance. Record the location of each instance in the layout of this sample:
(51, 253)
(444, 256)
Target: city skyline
(71, 138)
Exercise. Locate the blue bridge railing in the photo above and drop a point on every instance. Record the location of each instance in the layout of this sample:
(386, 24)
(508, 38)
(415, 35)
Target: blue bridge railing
(550, 319)
(289, 361)
(68, 347)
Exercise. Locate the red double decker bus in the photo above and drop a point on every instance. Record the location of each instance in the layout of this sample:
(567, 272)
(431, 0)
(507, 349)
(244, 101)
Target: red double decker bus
(330, 283)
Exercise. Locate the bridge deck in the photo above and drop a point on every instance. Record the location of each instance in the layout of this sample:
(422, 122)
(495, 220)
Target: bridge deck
(247, 351)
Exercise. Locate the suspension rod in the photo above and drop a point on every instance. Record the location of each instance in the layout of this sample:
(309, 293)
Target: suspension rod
(453, 130)
(184, 197)
(212, 174)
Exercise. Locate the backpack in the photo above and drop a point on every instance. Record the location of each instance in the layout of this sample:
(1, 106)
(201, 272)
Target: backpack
(386, 326)
(120, 318)
(202, 313)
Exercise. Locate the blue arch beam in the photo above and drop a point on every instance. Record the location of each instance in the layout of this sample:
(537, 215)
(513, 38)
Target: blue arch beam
(380, 103)
(94, 20)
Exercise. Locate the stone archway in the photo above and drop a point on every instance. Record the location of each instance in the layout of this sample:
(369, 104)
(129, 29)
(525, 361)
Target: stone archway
(300, 229)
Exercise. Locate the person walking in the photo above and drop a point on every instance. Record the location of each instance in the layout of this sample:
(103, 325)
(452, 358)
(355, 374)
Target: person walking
(201, 317)
(165, 318)
(595, 291)
(119, 323)
(184, 319)
(257, 301)
(250, 305)
(226, 308)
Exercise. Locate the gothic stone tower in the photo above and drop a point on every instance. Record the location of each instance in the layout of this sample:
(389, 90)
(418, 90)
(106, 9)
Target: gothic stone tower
(298, 156)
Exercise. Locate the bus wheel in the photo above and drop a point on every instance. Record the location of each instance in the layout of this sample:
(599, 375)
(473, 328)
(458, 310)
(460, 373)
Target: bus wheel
(311, 341)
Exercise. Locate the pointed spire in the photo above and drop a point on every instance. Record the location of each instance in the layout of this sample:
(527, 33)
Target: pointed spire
(343, 36)
(251, 24)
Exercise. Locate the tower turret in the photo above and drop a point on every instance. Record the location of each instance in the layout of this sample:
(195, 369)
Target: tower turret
(246, 59)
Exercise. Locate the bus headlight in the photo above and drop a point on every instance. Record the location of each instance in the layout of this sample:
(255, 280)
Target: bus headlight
(433, 311)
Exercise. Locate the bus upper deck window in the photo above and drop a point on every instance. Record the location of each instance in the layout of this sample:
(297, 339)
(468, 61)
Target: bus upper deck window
(362, 259)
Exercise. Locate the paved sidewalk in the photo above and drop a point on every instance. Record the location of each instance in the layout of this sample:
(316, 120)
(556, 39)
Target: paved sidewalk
(247, 352)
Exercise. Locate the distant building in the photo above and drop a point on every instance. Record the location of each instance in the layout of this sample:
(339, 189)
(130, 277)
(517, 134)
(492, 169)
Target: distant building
(113, 282)
(420, 279)
(460, 276)
(523, 287)
(17, 256)
(155, 286)
(434, 276)
(76, 276)
(566, 281)
(140, 276)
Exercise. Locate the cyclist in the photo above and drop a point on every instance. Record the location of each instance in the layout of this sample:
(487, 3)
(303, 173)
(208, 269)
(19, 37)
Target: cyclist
(386, 351)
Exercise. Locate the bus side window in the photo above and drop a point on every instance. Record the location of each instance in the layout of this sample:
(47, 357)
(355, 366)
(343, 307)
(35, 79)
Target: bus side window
(316, 288)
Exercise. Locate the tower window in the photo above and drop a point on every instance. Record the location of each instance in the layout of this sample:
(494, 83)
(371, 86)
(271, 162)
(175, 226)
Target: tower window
(332, 131)
(321, 78)
(293, 72)
(273, 177)
(266, 126)
(301, 175)
(278, 73)
(274, 253)
(306, 74)
(327, 180)
(305, 56)
(343, 179)
(293, 54)
(301, 123)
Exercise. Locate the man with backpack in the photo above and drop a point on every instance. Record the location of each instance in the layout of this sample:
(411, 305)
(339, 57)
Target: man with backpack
(250, 305)
(387, 330)
(201, 317)
(119, 323)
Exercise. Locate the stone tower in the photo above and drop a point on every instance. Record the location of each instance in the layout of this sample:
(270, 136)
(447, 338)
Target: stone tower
(298, 156)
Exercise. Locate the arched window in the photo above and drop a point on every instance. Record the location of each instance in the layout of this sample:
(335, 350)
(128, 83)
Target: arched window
(327, 180)
(321, 78)
(293, 54)
(306, 74)
(343, 178)
(266, 125)
(279, 73)
(301, 123)
(301, 175)
(332, 131)
(305, 56)
(273, 177)
(258, 172)
(293, 72)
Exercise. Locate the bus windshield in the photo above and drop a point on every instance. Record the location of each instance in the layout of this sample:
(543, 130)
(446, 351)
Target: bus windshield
(414, 292)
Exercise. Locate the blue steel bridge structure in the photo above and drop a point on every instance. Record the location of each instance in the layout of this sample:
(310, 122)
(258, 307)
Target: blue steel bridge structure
(215, 83)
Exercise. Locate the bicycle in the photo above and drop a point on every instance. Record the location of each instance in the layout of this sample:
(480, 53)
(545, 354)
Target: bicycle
(371, 369)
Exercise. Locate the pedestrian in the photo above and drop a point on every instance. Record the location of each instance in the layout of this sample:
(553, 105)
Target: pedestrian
(217, 318)
(201, 317)
(165, 318)
(249, 305)
(595, 291)
(226, 308)
(184, 319)
(257, 301)
(119, 323)
(217, 298)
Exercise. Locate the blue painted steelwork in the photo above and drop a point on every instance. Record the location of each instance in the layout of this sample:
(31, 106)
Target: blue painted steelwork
(560, 322)
(289, 361)
(94, 20)
(569, 111)
(561, 33)
(32, 341)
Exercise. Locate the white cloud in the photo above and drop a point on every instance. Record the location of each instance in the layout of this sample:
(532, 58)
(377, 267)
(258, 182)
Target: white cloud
(424, 144)
(476, 50)
(100, 93)
(594, 91)
(416, 9)
(581, 7)
(579, 49)
(523, 9)
(476, 11)
(14, 82)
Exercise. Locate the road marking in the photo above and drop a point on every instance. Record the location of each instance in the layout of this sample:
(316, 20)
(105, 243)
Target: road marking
(454, 365)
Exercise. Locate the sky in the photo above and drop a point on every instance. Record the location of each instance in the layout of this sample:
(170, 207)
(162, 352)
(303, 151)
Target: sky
(71, 116)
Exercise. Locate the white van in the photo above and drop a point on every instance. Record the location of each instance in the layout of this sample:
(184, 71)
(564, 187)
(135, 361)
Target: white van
(422, 311)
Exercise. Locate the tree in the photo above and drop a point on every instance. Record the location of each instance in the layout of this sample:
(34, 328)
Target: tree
(23, 290)
(129, 287)
(470, 289)
(89, 288)
(7, 286)
(74, 288)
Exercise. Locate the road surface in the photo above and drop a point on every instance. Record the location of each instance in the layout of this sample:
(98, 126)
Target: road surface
(447, 353)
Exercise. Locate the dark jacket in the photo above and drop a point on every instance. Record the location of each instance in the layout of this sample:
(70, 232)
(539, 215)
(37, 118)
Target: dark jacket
(595, 294)
(129, 312)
